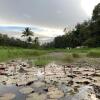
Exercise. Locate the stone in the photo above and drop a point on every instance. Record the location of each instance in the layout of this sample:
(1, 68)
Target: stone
(26, 90)
(85, 93)
(55, 93)
(36, 96)
(38, 84)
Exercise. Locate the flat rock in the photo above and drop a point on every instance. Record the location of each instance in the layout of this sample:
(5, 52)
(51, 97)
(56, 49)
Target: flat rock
(26, 90)
(38, 84)
(36, 96)
(55, 93)
(85, 93)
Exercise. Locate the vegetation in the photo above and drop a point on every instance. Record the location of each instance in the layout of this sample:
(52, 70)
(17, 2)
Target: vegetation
(86, 34)
(93, 54)
(29, 43)
(28, 34)
(41, 62)
(7, 53)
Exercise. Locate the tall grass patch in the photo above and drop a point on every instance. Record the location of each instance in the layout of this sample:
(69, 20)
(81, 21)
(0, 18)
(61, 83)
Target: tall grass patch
(42, 61)
(11, 53)
(93, 54)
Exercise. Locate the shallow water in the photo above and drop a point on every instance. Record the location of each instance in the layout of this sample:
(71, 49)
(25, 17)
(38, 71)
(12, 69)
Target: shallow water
(12, 89)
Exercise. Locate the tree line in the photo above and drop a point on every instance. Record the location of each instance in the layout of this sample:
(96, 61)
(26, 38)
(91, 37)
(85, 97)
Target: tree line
(86, 34)
(28, 43)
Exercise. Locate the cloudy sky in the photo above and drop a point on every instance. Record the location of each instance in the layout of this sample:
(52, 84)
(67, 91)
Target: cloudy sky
(47, 18)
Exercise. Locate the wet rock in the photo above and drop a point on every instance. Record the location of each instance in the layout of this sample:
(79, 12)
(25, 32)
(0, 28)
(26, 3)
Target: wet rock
(29, 83)
(71, 82)
(55, 93)
(36, 96)
(77, 72)
(45, 89)
(38, 84)
(97, 90)
(71, 76)
(21, 70)
(63, 87)
(26, 90)
(85, 93)
(96, 74)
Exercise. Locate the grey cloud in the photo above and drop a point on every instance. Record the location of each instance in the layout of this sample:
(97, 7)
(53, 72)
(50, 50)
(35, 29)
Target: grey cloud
(49, 13)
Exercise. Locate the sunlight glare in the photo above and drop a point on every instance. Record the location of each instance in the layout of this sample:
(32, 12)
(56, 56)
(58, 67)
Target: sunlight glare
(88, 6)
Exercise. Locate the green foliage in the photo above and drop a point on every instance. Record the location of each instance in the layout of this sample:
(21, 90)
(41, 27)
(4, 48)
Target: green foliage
(84, 34)
(41, 62)
(7, 41)
(94, 54)
(28, 34)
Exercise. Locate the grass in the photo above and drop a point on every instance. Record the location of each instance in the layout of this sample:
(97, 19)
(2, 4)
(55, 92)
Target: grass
(93, 54)
(41, 63)
(45, 59)
(7, 53)
(11, 53)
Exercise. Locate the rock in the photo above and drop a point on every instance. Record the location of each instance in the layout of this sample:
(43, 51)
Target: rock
(85, 93)
(97, 90)
(36, 96)
(21, 70)
(26, 90)
(29, 83)
(54, 93)
(96, 74)
(70, 82)
(38, 84)
(64, 88)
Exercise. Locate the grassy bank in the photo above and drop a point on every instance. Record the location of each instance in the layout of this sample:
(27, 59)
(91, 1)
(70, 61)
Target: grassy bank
(11, 53)
(7, 53)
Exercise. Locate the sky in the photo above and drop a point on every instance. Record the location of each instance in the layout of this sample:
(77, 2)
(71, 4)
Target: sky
(46, 18)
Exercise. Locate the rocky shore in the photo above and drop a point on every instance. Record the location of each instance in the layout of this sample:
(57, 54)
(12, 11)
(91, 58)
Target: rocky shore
(51, 82)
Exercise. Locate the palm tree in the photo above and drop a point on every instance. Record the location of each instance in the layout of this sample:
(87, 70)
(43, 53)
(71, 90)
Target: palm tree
(28, 33)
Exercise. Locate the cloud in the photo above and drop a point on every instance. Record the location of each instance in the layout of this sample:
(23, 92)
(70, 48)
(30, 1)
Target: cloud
(47, 18)
(47, 13)
(44, 34)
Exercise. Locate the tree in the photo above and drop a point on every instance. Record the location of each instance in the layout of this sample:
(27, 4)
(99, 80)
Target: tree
(96, 13)
(28, 34)
(36, 42)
